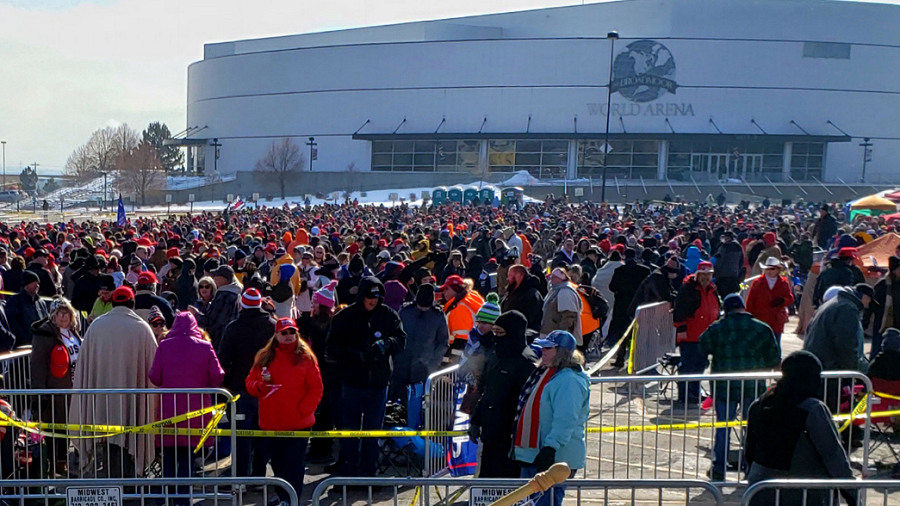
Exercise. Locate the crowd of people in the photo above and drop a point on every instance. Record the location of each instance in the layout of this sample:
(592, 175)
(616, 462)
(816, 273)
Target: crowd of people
(325, 317)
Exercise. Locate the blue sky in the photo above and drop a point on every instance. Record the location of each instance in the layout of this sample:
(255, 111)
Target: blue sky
(68, 67)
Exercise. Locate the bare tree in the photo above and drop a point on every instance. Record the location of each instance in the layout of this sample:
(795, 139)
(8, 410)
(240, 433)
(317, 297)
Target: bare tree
(283, 160)
(139, 170)
(101, 152)
(80, 164)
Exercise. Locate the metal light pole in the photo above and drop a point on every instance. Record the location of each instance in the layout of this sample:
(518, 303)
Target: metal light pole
(612, 36)
(4, 163)
(312, 151)
(216, 145)
(867, 156)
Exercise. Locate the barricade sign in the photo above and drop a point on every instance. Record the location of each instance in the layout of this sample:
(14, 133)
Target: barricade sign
(94, 496)
(483, 496)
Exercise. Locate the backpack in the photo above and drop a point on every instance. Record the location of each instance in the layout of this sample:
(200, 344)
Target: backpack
(599, 306)
(283, 290)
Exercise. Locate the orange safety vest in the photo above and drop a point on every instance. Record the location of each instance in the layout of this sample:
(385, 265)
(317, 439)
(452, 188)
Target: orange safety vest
(461, 318)
(588, 322)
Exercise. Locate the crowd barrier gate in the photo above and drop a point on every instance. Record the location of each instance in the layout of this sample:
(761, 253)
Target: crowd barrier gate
(634, 430)
(425, 491)
(15, 366)
(442, 390)
(149, 491)
(654, 336)
(85, 450)
(772, 491)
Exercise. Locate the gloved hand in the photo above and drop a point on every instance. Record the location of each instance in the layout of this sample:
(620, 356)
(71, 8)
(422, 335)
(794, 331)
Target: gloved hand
(778, 302)
(545, 458)
(378, 348)
(474, 432)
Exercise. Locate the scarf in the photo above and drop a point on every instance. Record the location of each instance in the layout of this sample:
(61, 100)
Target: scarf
(529, 408)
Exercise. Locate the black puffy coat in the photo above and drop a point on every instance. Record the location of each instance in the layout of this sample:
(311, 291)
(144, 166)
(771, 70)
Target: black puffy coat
(526, 299)
(241, 339)
(505, 372)
(354, 333)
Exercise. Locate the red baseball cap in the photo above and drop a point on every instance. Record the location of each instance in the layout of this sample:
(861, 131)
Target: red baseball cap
(847, 252)
(147, 278)
(122, 294)
(285, 323)
(453, 281)
(704, 267)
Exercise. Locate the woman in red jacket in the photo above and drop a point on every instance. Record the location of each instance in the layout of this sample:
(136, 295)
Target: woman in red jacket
(770, 295)
(285, 377)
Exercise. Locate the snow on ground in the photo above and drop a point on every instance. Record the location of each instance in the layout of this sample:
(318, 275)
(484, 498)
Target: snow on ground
(374, 197)
(187, 182)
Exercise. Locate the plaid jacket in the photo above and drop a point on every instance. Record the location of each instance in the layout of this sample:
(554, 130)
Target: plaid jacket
(739, 342)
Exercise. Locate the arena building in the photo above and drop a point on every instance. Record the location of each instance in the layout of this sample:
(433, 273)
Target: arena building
(701, 90)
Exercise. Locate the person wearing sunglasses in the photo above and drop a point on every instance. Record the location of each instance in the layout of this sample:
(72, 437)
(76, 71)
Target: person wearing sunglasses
(157, 323)
(285, 378)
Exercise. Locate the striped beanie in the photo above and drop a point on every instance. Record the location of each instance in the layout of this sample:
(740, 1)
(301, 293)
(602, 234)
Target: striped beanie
(251, 298)
(155, 314)
(490, 310)
(325, 296)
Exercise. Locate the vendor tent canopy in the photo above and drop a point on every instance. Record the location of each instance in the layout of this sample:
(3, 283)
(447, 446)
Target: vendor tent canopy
(877, 252)
(893, 196)
(872, 205)
(888, 218)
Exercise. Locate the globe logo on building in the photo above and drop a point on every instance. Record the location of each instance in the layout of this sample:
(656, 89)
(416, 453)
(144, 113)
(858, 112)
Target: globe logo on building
(644, 71)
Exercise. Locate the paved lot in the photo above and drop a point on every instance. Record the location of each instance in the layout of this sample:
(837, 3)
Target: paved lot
(665, 454)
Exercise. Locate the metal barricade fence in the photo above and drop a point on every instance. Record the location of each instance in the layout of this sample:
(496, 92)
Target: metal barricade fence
(86, 449)
(150, 491)
(481, 491)
(636, 429)
(15, 366)
(442, 390)
(811, 492)
(654, 336)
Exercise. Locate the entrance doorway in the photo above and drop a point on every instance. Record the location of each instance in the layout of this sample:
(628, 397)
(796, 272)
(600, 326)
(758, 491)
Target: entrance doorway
(727, 165)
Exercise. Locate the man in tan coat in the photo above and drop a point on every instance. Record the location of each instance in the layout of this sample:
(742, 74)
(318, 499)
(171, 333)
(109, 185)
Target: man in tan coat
(117, 352)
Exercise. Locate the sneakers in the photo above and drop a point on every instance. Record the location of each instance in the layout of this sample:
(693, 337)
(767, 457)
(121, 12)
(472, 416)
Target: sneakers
(680, 408)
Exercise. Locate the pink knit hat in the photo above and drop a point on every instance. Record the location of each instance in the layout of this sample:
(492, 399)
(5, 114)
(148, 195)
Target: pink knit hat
(325, 296)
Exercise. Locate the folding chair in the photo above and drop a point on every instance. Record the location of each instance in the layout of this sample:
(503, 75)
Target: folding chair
(884, 425)
(402, 455)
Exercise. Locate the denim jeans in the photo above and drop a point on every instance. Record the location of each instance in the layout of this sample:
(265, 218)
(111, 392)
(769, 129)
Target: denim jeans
(178, 462)
(251, 452)
(692, 362)
(726, 411)
(552, 497)
(361, 409)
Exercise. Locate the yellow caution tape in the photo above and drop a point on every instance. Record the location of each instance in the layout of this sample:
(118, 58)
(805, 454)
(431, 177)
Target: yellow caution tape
(106, 431)
(634, 331)
(163, 427)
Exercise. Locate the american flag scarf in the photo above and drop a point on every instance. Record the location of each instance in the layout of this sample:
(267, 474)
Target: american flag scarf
(528, 411)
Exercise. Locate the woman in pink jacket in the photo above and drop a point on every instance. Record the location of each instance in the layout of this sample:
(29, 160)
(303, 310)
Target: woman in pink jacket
(184, 359)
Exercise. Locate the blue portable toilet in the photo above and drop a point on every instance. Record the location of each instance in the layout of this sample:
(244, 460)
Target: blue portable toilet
(512, 195)
(487, 194)
(439, 195)
(455, 194)
(470, 194)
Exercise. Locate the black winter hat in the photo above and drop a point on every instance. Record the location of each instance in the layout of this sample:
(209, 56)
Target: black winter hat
(425, 296)
(356, 266)
(514, 323)
(29, 277)
(108, 282)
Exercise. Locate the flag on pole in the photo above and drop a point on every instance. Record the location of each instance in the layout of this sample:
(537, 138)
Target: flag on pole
(237, 204)
(121, 220)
